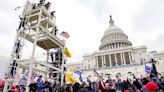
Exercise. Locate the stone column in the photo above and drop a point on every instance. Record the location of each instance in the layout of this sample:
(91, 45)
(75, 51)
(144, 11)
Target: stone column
(110, 60)
(130, 57)
(111, 46)
(115, 45)
(104, 62)
(122, 44)
(121, 58)
(115, 59)
(119, 44)
(96, 61)
(124, 58)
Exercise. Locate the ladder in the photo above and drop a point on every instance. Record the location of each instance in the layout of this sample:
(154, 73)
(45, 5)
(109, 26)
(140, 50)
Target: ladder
(15, 59)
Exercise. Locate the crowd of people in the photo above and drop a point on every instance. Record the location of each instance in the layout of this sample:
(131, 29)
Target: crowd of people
(129, 85)
(145, 84)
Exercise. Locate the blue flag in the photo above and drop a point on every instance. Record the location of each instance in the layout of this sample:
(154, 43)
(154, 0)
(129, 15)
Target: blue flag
(148, 68)
(79, 72)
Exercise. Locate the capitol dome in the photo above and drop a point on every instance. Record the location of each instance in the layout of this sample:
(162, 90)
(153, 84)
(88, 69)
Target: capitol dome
(114, 38)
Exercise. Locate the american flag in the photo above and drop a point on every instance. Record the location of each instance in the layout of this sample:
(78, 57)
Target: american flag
(65, 34)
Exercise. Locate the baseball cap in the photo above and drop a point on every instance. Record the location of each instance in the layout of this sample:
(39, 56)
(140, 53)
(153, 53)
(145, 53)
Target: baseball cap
(151, 86)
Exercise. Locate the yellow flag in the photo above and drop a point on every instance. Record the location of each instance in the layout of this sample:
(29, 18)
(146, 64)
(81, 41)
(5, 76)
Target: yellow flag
(67, 52)
(69, 79)
(72, 69)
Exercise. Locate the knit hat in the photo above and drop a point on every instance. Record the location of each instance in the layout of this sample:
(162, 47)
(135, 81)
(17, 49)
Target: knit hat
(151, 86)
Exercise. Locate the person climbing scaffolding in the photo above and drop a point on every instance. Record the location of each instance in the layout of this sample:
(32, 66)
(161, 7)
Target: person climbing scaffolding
(54, 31)
(22, 23)
(52, 56)
(47, 5)
(17, 49)
(13, 68)
(53, 14)
(41, 2)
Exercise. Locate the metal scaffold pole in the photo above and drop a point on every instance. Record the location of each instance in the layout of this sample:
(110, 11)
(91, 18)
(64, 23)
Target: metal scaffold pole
(32, 61)
(62, 73)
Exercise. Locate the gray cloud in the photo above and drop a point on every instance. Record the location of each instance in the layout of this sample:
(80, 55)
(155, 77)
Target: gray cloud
(147, 23)
(149, 17)
(98, 6)
(9, 22)
(9, 17)
(157, 44)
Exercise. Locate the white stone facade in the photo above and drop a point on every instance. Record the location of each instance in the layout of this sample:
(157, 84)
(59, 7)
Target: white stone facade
(115, 57)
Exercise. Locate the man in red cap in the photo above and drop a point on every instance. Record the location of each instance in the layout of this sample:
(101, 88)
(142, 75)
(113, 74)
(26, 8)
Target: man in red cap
(151, 87)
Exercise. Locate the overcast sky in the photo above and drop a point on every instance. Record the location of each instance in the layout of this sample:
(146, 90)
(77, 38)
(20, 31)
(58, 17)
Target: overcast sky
(86, 21)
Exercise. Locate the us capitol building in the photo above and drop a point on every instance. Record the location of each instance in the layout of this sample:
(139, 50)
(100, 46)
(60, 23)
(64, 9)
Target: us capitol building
(116, 55)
